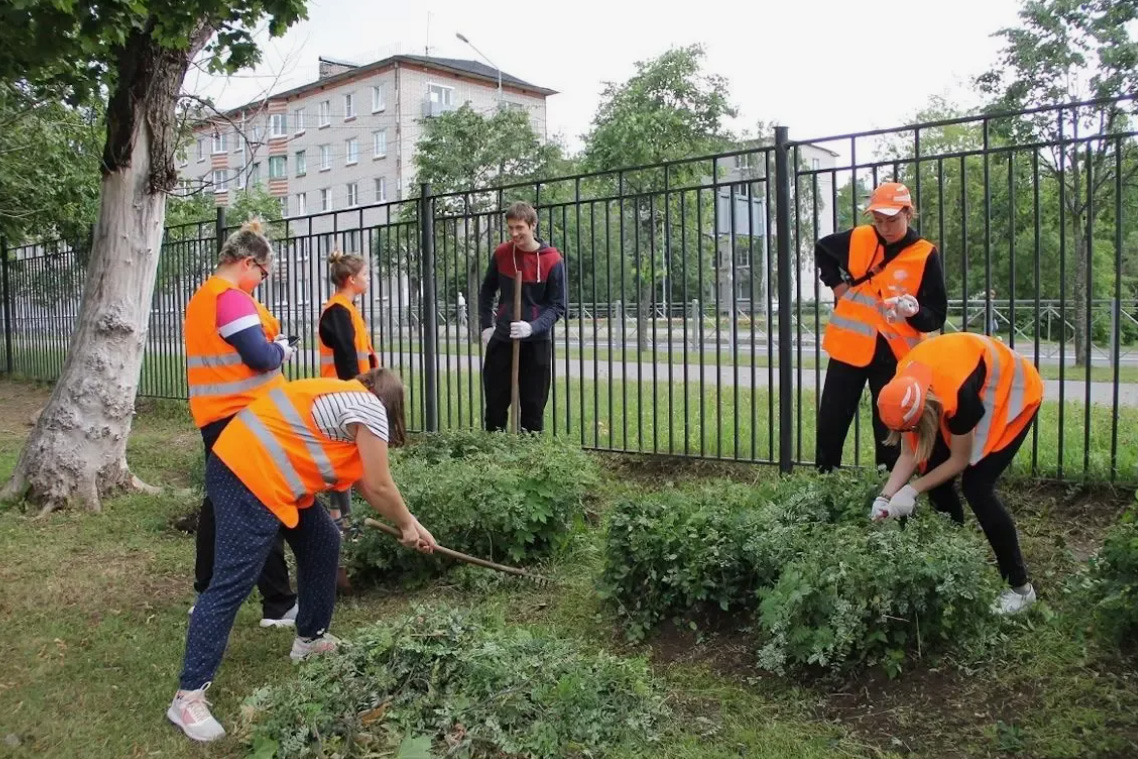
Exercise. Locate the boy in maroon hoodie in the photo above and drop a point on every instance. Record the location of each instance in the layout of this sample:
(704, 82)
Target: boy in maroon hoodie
(544, 294)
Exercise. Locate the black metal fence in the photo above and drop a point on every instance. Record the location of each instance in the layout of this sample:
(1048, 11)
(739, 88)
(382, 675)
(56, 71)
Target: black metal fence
(695, 314)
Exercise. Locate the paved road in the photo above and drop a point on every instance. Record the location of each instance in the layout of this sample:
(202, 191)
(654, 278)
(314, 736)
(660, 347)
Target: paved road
(727, 376)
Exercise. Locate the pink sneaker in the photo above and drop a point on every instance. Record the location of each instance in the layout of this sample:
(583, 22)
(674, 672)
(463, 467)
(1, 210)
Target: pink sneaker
(190, 711)
(303, 648)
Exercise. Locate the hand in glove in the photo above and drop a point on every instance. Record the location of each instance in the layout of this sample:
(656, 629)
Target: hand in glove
(287, 350)
(520, 330)
(901, 504)
(880, 509)
(486, 335)
(903, 306)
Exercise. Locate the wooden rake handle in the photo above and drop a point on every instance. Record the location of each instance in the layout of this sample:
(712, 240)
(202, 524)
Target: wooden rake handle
(383, 526)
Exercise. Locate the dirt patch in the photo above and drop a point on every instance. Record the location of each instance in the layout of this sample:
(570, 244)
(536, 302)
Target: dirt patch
(20, 404)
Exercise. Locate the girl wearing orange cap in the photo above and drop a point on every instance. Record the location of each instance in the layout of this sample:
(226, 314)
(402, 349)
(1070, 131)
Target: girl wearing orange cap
(889, 290)
(962, 404)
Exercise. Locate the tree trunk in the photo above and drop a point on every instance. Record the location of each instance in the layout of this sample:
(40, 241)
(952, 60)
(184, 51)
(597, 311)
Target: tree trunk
(77, 452)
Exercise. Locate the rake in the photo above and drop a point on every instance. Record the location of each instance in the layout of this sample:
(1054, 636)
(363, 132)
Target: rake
(451, 553)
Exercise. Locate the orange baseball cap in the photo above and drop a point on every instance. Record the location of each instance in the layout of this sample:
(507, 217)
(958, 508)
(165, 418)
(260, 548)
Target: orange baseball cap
(889, 198)
(901, 402)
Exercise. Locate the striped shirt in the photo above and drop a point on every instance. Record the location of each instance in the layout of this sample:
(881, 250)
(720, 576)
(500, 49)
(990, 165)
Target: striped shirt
(336, 412)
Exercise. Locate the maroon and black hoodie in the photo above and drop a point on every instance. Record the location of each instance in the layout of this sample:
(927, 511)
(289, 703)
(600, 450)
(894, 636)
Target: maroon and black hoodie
(544, 290)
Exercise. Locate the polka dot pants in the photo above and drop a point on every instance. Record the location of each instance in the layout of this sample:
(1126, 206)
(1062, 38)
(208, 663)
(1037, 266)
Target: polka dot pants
(246, 530)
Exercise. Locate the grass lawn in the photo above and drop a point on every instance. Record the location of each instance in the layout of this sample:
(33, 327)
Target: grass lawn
(93, 618)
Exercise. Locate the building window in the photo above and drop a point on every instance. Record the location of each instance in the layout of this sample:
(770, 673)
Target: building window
(301, 163)
(219, 142)
(815, 164)
(379, 143)
(351, 151)
(378, 98)
(183, 159)
(278, 125)
(239, 138)
(278, 167)
(325, 113)
(440, 94)
(298, 119)
(201, 148)
(325, 157)
(256, 136)
(220, 180)
(380, 189)
(255, 174)
(353, 194)
(239, 175)
(325, 199)
(349, 106)
(284, 205)
(301, 203)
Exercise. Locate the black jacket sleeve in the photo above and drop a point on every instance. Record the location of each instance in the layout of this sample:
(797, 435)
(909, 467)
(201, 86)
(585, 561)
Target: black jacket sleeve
(337, 332)
(555, 297)
(486, 295)
(831, 256)
(969, 404)
(932, 297)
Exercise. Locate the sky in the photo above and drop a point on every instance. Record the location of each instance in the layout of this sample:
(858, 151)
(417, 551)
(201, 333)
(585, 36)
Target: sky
(819, 68)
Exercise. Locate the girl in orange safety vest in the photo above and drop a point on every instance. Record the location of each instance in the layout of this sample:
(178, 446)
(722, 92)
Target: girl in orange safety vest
(234, 354)
(889, 290)
(345, 342)
(962, 404)
(268, 465)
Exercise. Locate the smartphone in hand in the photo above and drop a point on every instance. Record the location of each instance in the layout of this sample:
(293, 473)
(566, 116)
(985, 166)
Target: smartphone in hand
(293, 340)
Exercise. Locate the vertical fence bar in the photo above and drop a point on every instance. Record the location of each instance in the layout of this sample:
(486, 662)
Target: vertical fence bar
(1116, 322)
(427, 307)
(7, 306)
(1062, 287)
(988, 308)
(1012, 207)
(1088, 280)
(782, 218)
(1037, 224)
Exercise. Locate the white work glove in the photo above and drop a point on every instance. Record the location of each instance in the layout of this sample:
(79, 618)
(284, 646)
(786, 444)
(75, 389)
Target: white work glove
(520, 330)
(286, 349)
(901, 504)
(903, 306)
(880, 509)
(486, 335)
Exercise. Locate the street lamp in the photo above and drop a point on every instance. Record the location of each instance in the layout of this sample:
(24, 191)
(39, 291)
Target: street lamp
(462, 38)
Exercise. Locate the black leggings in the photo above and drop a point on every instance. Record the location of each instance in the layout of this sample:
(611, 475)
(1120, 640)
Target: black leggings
(841, 396)
(978, 482)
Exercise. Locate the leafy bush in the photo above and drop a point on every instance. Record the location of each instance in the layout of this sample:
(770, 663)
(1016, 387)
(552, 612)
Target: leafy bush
(868, 596)
(503, 497)
(444, 682)
(823, 586)
(1114, 581)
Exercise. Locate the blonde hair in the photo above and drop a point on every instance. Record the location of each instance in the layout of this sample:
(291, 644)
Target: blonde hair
(342, 266)
(522, 211)
(247, 242)
(927, 429)
(385, 384)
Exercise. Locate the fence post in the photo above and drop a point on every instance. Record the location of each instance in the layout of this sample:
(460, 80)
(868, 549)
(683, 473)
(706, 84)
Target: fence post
(7, 307)
(219, 229)
(782, 239)
(430, 319)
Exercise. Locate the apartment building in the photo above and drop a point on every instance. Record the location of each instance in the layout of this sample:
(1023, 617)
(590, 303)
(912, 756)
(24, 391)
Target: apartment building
(347, 139)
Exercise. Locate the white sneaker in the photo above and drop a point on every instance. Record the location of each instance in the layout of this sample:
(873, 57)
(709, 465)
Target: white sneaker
(288, 620)
(302, 648)
(1012, 601)
(190, 711)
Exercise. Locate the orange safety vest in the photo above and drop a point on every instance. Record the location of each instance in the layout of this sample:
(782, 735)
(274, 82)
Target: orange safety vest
(859, 315)
(220, 383)
(1012, 391)
(275, 448)
(364, 351)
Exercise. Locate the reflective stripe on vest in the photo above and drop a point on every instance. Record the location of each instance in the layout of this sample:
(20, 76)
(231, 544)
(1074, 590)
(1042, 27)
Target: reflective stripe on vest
(229, 388)
(853, 325)
(984, 428)
(213, 362)
(301, 430)
(275, 451)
